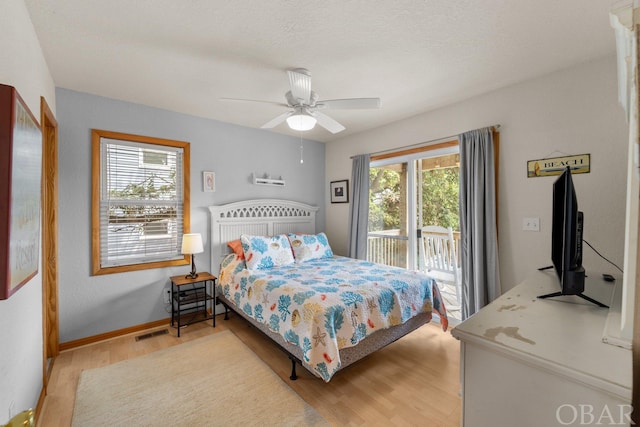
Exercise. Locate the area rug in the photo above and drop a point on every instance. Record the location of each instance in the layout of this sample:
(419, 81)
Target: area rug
(215, 380)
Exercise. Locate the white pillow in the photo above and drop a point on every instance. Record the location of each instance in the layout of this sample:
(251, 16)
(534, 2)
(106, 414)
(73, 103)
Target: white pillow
(310, 246)
(262, 252)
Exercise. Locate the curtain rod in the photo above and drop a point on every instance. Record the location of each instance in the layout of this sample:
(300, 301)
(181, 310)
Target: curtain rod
(421, 144)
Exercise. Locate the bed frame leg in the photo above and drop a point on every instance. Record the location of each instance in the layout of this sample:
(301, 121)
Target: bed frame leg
(293, 376)
(226, 311)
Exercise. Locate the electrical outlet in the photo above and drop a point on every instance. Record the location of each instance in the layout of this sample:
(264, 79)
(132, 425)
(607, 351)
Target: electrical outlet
(167, 295)
(531, 224)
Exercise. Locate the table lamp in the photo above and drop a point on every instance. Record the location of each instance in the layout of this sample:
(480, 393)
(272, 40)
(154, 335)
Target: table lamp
(192, 244)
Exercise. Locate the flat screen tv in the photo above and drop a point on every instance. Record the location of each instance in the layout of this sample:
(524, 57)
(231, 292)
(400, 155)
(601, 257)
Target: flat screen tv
(566, 239)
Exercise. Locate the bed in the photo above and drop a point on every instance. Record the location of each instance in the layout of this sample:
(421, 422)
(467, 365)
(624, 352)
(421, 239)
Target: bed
(325, 311)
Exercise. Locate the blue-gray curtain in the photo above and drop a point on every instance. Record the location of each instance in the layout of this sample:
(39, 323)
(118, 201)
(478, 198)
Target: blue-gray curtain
(359, 208)
(478, 228)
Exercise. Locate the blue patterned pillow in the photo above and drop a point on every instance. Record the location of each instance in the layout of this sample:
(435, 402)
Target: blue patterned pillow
(262, 252)
(310, 246)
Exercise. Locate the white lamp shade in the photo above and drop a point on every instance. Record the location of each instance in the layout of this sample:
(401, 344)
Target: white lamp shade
(301, 121)
(192, 243)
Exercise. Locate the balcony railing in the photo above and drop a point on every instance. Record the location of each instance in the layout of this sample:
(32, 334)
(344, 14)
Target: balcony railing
(390, 248)
(387, 247)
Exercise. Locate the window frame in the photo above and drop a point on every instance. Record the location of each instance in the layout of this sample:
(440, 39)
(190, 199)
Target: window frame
(96, 163)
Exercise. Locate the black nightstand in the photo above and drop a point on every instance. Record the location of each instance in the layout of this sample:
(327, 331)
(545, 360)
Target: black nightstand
(192, 297)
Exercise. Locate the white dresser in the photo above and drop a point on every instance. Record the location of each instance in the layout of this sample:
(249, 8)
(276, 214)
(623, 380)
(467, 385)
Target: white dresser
(541, 362)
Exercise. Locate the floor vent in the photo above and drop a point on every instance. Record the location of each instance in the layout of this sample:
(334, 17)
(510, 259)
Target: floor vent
(152, 334)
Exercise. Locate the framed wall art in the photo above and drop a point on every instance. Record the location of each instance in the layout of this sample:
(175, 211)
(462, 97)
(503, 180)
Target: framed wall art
(209, 181)
(339, 191)
(20, 189)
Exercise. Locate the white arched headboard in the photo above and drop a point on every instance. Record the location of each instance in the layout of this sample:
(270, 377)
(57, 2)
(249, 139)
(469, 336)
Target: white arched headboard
(261, 217)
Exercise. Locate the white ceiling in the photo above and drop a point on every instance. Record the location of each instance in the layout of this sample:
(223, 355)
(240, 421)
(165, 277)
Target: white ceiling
(416, 55)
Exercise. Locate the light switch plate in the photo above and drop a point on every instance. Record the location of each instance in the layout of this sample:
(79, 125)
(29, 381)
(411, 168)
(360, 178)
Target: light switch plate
(531, 224)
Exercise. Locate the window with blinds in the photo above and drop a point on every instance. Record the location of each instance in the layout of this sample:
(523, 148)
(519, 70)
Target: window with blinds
(141, 215)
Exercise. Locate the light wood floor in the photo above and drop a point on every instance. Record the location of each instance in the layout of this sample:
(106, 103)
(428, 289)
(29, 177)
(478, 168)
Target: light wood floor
(414, 381)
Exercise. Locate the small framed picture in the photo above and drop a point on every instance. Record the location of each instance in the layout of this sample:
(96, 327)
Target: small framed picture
(209, 181)
(340, 191)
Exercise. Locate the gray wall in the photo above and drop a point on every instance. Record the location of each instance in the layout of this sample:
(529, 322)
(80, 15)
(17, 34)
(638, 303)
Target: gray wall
(91, 305)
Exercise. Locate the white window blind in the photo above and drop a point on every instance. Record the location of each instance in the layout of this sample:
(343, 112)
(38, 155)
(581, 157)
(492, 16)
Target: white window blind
(141, 202)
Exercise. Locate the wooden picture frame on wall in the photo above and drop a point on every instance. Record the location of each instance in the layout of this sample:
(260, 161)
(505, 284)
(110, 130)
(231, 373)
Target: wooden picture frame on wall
(339, 191)
(20, 192)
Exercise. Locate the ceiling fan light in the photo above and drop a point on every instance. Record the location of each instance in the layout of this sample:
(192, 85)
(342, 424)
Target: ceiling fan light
(301, 121)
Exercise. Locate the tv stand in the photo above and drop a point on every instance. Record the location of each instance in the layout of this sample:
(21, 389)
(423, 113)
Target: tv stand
(572, 284)
(557, 294)
(524, 362)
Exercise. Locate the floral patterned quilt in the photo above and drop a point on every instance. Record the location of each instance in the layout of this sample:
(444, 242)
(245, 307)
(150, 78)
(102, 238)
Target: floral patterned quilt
(324, 305)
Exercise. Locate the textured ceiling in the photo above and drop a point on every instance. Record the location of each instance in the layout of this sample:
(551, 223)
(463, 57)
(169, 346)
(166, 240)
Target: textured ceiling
(184, 55)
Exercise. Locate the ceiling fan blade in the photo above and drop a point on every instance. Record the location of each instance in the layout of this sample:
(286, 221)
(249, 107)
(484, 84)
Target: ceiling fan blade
(300, 82)
(281, 104)
(349, 103)
(276, 121)
(328, 123)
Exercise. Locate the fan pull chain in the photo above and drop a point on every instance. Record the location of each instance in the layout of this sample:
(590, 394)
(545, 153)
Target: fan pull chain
(301, 151)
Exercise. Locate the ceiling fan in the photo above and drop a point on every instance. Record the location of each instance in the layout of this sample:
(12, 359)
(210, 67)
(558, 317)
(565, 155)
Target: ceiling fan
(304, 105)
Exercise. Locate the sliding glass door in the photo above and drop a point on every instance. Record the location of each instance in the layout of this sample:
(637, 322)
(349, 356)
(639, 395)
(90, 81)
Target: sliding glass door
(438, 199)
(389, 224)
(406, 193)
